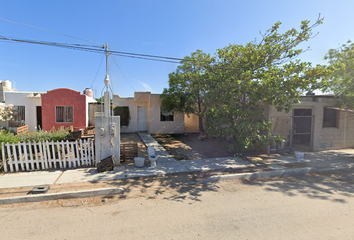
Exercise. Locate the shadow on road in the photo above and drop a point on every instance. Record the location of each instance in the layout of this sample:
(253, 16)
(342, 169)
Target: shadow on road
(316, 186)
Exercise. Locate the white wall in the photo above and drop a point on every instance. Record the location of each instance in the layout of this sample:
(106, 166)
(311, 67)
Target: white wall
(88, 100)
(191, 123)
(21, 99)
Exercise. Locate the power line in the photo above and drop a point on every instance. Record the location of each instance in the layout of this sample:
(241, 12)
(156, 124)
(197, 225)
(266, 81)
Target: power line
(25, 24)
(100, 49)
(97, 71)
(123, 74)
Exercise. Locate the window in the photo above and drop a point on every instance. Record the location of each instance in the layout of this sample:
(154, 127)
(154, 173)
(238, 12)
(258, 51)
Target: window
(18, 118)
(64, 114)
(124, 114)
(166, 116)
(330, 117)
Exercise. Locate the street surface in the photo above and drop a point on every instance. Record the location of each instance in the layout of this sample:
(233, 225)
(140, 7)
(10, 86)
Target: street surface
(304, 207)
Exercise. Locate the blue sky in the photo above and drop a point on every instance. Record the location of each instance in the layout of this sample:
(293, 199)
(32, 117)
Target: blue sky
(166, 28)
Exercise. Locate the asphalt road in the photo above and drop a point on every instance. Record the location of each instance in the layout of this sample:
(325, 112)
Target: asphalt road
(306, 207)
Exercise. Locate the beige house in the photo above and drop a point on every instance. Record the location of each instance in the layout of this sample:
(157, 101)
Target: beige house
(147, 115)
(313, 124)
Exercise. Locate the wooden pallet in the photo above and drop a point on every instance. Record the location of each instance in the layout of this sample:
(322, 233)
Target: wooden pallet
(128, 151)
(22, 130)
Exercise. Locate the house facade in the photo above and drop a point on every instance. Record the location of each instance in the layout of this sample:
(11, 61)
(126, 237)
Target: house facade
(313, 124)
(64, 107)
(57, 108)
(27, 110)
(147, 115)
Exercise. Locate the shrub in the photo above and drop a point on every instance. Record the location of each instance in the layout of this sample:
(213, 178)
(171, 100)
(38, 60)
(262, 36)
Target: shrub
(9, 137)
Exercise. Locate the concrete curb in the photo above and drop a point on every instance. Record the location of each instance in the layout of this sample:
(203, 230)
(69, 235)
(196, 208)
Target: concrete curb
(64, 195)
(118, 190)
(270, 174)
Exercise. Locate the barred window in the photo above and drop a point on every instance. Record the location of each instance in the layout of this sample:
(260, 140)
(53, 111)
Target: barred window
(64, 114)
(18, 118)
(330, 117)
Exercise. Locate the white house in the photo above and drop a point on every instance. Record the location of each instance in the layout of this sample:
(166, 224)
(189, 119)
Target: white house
(27, 107)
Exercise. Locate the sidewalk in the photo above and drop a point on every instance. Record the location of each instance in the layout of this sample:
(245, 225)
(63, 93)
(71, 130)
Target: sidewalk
(278, 166)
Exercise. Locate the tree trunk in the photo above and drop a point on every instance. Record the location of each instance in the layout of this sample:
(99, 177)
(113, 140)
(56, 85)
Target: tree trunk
(201, 127)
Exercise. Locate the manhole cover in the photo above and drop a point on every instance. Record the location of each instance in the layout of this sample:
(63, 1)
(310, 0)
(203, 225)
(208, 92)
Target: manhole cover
(39, 189)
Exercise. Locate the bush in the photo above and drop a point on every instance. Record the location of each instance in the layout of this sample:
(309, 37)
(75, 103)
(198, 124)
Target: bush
(9, 137)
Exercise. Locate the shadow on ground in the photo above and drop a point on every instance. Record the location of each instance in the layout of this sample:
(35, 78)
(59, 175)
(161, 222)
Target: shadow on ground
(316, 186)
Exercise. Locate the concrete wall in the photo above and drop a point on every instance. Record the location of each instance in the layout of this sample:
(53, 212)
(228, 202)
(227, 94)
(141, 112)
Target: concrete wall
(191, 123)
(133, 110)
(324, 137)
(88, 101)
(63, 97)
(156, 125)
(30, 103)
(153, 104)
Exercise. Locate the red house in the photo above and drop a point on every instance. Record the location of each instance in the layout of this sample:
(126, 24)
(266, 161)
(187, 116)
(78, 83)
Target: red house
(64, 107)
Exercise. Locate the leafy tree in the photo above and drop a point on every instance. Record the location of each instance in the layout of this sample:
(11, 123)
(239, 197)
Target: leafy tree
(342, 78)
(5, 113)
(188, 86)
(101, 99)
(247, 78)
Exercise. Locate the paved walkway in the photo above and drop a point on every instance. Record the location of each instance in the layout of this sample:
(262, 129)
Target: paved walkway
(166, 164)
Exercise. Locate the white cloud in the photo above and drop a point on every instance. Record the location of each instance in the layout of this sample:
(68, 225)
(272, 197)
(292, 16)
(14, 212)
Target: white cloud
(146, 86)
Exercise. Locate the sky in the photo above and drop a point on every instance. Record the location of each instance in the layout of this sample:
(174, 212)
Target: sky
(165, 28)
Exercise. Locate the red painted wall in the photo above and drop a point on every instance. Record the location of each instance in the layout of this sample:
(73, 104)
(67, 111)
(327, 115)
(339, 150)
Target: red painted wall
(63, 97)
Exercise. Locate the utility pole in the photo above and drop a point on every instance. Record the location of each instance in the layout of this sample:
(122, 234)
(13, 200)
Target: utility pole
(106, 80)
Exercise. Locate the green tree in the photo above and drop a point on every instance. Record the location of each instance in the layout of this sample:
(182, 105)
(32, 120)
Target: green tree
(188, 86)
(342, 78)
(247, 78)
(6, 113)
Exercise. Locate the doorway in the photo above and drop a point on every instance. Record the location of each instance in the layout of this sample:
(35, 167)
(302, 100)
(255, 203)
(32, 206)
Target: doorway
(39, 117)
(302, 129)
(142, 119)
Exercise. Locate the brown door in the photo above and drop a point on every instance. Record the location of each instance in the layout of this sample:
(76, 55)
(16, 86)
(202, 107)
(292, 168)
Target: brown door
(39, 117)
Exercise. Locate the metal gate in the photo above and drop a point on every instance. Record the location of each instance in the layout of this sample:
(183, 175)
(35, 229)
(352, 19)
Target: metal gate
(302, 129)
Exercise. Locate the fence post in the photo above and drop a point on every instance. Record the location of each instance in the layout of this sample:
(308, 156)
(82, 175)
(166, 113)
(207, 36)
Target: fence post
(81, 153)
(64, 155)
(31, 155)
(10, 157)
(36, 155)
(20, 157)
(24, 145)
(43, 155)
(15, 157)
(70, 163)
(93, 158)
(75, 151)
(59, 158)
(87, 152)
(4, 163)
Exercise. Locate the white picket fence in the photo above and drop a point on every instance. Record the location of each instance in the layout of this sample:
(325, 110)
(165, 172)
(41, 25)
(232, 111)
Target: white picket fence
(47, 155)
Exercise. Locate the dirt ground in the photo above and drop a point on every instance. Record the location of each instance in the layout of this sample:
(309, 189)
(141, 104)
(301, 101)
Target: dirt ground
(134, 138)
(186, 146)
(192, 146)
